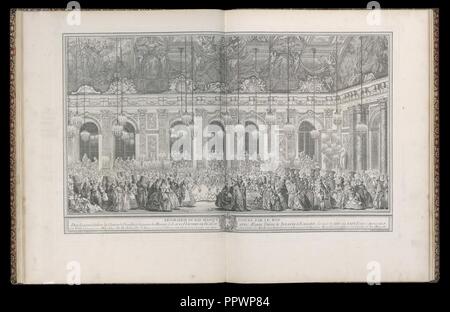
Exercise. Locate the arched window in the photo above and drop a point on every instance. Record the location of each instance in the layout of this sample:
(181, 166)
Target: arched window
(89, 145)
(179, 141)
(375, 143)
(306, 143)
(251, 140)
(125, 145)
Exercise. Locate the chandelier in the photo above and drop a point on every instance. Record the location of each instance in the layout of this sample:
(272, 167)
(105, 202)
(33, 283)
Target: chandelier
(315, 134)
(122, 119)
(125, 135)
(226, 117)
(71, 131)
(85, 135)
(337, 116)
(77, 119)
(337, 119)
(117, 129)
(191, 120)
(288, 127)
(239, 127)
(186, 117)
(271, 118)
(360, 126)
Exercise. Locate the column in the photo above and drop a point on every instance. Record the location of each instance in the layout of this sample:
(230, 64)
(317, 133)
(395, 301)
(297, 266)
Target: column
(318, 149)
(76, 145)
(357, 140)
(100, 142)
(358, 151)
(137, 142)
(70, 148)
(107, 157)
(383, 135)
(141, 152)
(164, 138)
(289, 145)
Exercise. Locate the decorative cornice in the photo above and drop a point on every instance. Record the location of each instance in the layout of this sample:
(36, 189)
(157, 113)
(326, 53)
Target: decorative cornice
(374, 90)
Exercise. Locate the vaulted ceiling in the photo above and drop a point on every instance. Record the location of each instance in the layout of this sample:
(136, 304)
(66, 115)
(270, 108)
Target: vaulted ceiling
(216, 62)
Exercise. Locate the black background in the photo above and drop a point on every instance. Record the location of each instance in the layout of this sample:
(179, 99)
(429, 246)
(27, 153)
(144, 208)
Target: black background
(284, 297)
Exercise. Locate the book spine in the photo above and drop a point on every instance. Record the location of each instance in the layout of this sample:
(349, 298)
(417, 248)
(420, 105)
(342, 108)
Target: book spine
(435, 141)
(12, 155)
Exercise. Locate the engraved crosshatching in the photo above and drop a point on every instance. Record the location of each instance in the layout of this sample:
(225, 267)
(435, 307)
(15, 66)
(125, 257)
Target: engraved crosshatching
(152, 125)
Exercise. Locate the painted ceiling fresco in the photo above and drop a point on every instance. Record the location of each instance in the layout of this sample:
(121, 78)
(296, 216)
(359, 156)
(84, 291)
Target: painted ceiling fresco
(146, 64)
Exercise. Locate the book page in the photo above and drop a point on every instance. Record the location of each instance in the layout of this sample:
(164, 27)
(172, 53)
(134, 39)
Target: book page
(238, 146)
(402, 253)
(51, 254)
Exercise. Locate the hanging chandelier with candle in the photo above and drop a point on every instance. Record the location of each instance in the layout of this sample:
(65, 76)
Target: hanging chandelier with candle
(256, 89)
(289, 128)
(122, 119)
(315, 134)
(84, 134)
(191, 122)
(337, 116)
(270, 115)
(239, 127)
(360, 126)
(226, 117)
(71, 130)
(185, 116)
(77, 119)
(117, 128)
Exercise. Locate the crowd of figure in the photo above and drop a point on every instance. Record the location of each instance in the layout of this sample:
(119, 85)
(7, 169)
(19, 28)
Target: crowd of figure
(129, 186)
(320, 190)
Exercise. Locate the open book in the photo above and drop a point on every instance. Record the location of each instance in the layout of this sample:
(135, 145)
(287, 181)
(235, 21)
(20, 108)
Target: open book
(210, 146)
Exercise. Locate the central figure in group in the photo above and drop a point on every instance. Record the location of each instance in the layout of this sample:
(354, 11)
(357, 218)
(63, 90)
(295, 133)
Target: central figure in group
(233, 196)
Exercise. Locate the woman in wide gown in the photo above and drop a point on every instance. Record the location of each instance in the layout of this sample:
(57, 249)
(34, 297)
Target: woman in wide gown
(167, 199)
(292, 194)
(266, 196)
(125, 204)
(275, 199)
(141, 193)
(351, 198)
(282, 192)
(238, 198)
(224, 199)
(363, 195)
(381, 195)
(174, 200)
(338, 194)
(154, 196)
(188, 199)
(309, 195)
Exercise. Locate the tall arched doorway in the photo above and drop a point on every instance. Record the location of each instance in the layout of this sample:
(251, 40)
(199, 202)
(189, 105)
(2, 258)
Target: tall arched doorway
(306, 143)
(217, 140)
(125, 145)
(180, 142)
(89, 144)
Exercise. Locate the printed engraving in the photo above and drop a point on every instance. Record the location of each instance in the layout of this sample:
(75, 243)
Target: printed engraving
(195, 132)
